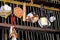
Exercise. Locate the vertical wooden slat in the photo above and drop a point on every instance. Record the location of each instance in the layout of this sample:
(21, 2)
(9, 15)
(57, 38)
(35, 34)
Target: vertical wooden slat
(17, 18)
(41, 36)
(28, 36)
(31, 11)
(34, 35)
(57, 37)
(49, 36)
(18, 31)
(58, 20)
(53, 37)
(34, 9)
(2, 34)
(27, 13)
(37, 35)
(8, 19)
(31, 36)
(37, 14)
(55, 23)
(5, 13)
(5, 34)
(22, 36)
(46, 36)
(2, 17)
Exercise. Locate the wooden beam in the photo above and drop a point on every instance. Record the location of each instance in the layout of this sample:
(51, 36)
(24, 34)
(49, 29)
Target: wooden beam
(30, 28)
(35, 5)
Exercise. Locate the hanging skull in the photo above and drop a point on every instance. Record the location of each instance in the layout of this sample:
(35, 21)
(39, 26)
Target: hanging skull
(52, 18)
(7, 8)
(29, 17)
(43, 21)
(32, 17)
(35, 17)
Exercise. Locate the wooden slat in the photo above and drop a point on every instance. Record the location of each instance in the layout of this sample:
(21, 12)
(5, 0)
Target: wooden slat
(30, 28)
(35, 5)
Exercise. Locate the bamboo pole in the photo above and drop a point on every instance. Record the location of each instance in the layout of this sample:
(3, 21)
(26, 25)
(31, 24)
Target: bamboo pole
(35, 5)
(31, 28)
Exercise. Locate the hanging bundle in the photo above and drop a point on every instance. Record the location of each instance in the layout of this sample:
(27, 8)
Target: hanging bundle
(13, 33)
(32, 16)
(5, 11)
(18, 12)
(43, 21)
(52, 18)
